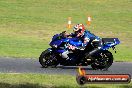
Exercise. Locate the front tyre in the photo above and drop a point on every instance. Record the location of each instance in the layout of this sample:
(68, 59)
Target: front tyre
(103, 60)
(47, 59)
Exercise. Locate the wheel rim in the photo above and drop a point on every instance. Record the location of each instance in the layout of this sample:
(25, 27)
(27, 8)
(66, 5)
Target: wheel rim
(102, 61)
(46, 60)
(49, 60)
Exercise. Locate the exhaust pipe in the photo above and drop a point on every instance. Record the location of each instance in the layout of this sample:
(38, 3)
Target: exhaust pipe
(93, 52)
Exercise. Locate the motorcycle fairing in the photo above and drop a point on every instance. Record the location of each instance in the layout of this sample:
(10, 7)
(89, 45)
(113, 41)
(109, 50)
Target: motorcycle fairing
(109, 42)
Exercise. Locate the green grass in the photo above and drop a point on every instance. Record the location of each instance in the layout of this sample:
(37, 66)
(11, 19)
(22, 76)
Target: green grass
(26, 26)
(48, 81)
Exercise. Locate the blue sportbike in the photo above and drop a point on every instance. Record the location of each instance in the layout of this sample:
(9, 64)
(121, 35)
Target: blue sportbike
(95, 53)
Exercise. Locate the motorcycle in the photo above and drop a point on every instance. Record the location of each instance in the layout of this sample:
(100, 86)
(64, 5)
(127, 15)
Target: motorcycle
(95, 53)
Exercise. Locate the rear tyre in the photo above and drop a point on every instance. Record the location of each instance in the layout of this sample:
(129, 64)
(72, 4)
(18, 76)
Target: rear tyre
(103, 60)
(47, 59)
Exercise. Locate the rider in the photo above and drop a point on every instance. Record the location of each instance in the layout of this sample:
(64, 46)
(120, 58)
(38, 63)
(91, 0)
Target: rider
(84, 35)
(80, 33)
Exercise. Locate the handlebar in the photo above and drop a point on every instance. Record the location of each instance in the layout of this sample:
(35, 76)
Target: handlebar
(63, 34)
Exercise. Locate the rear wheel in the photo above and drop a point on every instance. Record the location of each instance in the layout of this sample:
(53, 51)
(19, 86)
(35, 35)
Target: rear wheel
(103, 60)
(47, 59)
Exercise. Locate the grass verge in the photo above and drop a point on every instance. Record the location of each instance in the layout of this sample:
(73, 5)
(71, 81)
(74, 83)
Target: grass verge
(27, 26)
(48, 81)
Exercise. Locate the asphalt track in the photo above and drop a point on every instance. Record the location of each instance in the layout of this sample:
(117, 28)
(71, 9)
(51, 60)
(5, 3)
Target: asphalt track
(14, 65)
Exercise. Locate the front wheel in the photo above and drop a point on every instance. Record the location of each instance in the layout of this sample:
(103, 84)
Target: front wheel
(47, 59)
(103, 60)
